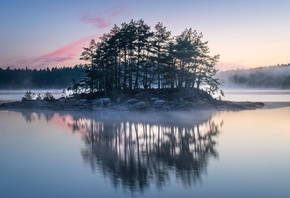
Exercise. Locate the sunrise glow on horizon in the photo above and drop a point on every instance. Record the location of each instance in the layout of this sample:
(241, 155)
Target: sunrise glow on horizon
(44, 34)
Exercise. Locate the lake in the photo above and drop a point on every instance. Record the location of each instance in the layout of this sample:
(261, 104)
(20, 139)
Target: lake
(255, 95)
(146, 154)
(14, 95)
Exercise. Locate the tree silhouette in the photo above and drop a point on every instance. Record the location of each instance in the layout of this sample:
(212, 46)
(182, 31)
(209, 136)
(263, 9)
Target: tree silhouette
(88, 55)
(132, 56)
(160, 45)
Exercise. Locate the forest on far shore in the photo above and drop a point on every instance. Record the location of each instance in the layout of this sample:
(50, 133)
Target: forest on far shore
(277, 77)
(54, 78)
(63, 77)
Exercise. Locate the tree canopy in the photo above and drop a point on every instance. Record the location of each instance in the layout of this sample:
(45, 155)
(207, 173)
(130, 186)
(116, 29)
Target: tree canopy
(132, 56)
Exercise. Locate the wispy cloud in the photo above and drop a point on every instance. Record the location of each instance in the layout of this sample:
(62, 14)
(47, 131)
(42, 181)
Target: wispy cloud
(98, 21)
(72, 51)
(118, 10)
(69, 52)
(104, 19)
(67, 55)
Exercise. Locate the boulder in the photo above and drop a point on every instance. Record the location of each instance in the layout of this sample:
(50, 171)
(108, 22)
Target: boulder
(158, 103)
(132, 101)
(101, 102)
(24, 99)
(139, 106)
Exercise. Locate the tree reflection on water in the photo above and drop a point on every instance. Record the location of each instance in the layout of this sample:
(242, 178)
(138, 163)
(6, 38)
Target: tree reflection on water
(33, 116)
(135, 154)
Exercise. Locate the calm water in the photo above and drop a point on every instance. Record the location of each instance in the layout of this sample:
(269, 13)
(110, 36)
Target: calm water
(122, 154)
(12, 95)
(266, 95)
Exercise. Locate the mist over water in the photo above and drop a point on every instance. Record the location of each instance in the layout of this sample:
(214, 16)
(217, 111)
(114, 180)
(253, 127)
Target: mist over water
(257, 95)
(273, 77)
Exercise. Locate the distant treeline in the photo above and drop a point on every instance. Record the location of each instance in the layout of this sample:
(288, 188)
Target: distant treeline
(54, 78)
(262, 77)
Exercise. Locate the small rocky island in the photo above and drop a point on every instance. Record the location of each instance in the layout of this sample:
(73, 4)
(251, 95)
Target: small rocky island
(171, 99)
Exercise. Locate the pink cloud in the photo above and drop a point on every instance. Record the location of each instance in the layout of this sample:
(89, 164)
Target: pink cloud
(100, 22)
(70, 52)
(58, 59)
(103, 20)
(67, 55)
(118, 10)
(63, 51)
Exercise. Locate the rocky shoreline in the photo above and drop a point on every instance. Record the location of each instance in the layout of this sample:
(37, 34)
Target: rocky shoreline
(152, 100)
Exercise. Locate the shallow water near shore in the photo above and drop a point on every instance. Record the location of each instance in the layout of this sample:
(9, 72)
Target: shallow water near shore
(146, 154)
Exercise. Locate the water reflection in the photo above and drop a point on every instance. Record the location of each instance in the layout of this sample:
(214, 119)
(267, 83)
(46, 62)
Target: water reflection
(135, 152)
(33, 116)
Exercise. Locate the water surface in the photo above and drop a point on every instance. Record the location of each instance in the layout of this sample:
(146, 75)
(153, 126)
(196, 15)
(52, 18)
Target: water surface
(16, 95)
(122, 154)
(257, 95)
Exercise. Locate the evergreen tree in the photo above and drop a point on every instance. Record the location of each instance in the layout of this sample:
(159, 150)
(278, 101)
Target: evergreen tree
(142, 42)
(160, 42)
(88, 55)
(185, 50)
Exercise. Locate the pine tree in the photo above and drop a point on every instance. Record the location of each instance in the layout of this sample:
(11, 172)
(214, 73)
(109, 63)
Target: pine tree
(160, 42)
(88, 55)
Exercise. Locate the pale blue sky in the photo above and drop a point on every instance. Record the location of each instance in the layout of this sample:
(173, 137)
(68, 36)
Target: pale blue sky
(43, 33)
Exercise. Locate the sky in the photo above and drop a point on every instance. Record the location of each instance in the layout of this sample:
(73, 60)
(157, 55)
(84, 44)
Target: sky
(48, 33)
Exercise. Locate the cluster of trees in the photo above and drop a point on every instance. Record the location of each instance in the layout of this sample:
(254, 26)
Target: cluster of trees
(133, 56)
(40, 79)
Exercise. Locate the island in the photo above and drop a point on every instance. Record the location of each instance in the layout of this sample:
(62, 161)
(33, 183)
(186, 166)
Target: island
(171, 99)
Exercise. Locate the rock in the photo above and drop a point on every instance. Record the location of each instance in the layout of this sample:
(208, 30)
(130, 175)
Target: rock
(101, 102)
(82, 101)
(106, 101)
(158, 103)
(62, 99)
(132, 101)
(24, 99)
(166, 107)
(97, 103)
(119, 100)
(121, 108)
(141, 106)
